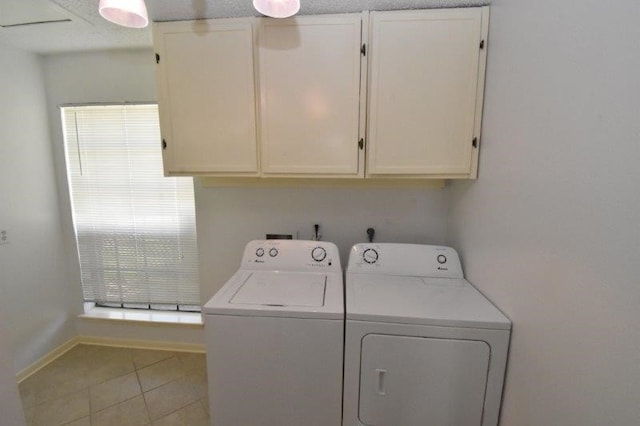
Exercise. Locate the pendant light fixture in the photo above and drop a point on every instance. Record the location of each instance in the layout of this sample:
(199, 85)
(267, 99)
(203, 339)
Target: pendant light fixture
(277, 8)
(128, 13)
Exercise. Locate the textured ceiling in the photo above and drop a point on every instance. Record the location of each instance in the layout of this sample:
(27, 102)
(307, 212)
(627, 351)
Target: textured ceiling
(88, 31)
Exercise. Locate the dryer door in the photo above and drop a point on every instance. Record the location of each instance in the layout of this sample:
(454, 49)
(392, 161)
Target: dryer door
(407, 381)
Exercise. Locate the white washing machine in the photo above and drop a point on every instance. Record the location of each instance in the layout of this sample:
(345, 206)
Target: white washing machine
(275, 335)
(423, 346)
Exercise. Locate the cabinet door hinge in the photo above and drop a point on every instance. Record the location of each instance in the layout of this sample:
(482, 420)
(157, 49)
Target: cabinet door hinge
(157, 58)
(482, 44)
(474, 143)
(361, 143)
(164, 144)
(363, 49)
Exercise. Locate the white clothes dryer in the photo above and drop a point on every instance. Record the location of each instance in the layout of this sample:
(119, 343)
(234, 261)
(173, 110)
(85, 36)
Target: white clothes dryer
(423, 346)
(274, 336)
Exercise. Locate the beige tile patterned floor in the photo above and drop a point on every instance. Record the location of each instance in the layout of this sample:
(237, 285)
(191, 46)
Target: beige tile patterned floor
(101, 385)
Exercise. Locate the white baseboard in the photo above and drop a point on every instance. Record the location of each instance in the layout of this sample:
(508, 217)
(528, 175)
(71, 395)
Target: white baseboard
(105, 341)
(142, 344)
(46, 359)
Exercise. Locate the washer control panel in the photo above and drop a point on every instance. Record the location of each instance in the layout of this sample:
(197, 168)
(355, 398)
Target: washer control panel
(291, 255)
(405, 259)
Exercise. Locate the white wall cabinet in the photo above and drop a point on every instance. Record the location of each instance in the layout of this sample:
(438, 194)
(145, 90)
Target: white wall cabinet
(309, 72)
(206, 95)
(414, 98)
(426, 75)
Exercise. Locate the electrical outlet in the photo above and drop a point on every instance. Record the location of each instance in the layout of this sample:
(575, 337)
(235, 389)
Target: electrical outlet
(4, 237)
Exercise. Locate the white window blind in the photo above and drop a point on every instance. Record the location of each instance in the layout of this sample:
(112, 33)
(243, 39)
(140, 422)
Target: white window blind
(135, 228)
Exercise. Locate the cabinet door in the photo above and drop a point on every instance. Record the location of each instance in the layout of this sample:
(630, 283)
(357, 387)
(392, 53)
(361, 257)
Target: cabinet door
(310, 95)
(207, 96)
(425, 95)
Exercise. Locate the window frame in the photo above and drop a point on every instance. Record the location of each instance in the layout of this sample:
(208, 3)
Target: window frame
(192, 303)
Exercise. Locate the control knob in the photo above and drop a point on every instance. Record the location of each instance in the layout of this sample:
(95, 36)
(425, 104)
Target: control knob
(370, 256)
(318, 254)
(273, 252)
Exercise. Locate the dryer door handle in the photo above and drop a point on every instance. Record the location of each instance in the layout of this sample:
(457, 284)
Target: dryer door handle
(381, 382)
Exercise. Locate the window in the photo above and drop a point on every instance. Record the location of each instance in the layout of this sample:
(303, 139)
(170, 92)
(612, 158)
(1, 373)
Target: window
(135, 228)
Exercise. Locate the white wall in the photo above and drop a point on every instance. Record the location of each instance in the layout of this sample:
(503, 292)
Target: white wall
(10, 403)
(227, 218)
(35, 298)
(551, 230)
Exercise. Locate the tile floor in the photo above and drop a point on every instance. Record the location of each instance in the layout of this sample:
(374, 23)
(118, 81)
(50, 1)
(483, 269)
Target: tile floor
(101, 385)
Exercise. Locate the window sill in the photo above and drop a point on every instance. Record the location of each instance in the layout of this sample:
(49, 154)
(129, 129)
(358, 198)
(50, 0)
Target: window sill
(145, 316)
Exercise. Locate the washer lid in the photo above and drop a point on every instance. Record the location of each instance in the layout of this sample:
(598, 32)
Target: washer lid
(280, 294)
(417, 300)
(281, 289)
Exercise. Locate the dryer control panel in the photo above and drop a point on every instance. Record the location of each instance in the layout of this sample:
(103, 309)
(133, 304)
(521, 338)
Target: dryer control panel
(414, 260)
(291, 255)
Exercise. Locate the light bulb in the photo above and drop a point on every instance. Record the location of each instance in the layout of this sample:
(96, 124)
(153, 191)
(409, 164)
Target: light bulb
(277, 8)
(128, 13)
